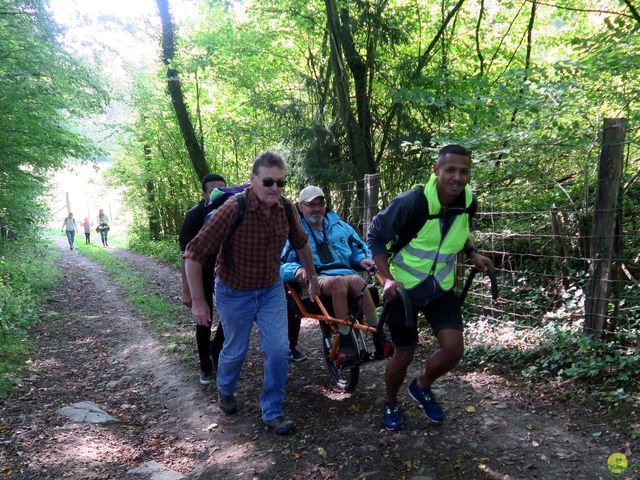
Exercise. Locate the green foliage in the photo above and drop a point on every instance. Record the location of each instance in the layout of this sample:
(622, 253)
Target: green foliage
(43, 90)
(264, 80)
(530, 112)
(27, 273)
(166, 249)
(605, 371)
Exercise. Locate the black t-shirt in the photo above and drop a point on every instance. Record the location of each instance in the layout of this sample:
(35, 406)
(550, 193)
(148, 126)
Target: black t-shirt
(193, 222)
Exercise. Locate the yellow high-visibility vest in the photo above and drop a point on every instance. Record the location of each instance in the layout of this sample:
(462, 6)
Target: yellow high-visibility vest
(428, 253)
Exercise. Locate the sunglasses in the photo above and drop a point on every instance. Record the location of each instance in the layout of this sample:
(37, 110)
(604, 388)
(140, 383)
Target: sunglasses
(268, 182)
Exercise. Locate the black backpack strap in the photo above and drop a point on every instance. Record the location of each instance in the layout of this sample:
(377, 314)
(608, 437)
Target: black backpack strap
(422, 215)
(417, 221)
(288, 210)
(240, 199)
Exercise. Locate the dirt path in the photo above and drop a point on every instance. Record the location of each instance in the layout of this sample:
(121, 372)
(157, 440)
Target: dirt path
(95, 347)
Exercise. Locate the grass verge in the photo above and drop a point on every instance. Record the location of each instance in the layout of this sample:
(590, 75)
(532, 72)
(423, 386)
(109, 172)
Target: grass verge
(160, 313)
(27, 273)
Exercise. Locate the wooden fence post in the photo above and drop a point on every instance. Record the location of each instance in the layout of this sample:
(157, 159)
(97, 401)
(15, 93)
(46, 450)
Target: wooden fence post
(371, 188)
(603, 236)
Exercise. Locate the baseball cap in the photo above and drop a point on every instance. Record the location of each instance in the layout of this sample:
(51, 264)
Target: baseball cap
(309, 193)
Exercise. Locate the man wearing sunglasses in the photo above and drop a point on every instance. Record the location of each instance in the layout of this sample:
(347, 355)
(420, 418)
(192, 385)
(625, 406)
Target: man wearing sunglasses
(248, 286)
(337, 252)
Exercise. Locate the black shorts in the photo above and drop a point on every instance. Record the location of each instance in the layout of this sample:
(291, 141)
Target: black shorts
(442, 313)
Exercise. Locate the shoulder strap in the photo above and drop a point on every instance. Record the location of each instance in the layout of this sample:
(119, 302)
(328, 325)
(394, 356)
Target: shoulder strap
(415, 224)
(287, 208)
(289, 212)
(422, 215)
(240, 199)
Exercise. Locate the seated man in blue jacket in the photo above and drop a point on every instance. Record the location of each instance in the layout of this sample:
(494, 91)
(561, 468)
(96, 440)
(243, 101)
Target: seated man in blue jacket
(337, 251)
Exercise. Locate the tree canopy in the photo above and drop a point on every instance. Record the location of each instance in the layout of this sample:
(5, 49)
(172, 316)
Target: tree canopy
(43, 92)
(345, 87)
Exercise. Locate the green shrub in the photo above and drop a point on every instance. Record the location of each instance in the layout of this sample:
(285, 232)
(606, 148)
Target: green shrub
(27, 272)
(609, 368)
(166, 249)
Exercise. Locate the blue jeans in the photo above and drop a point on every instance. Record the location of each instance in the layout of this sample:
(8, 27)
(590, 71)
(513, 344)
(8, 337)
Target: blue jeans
(70, 236)
(238, 310)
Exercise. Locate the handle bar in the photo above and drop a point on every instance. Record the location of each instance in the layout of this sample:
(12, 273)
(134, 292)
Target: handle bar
(408, 306)
(492, 277)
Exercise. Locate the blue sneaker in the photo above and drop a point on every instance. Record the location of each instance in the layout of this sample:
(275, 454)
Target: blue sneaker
(391, 417)
(432, 410)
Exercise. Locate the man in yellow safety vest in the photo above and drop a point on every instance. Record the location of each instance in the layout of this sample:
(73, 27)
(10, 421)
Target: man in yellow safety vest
(425, 228)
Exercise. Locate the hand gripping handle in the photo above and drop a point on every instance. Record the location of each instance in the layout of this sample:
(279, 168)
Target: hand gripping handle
(490, 272)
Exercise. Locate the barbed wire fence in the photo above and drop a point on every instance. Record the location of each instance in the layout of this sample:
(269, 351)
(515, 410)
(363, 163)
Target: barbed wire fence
(575, 262)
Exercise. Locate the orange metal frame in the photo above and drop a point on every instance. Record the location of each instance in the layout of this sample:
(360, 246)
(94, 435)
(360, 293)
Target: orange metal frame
(325, 317)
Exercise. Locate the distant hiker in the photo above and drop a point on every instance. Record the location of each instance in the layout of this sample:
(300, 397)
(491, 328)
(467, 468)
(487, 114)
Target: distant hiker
(103, 227)
(208, 350)
(248, 286)
(70, 227)
(427, 226)
(87, 229)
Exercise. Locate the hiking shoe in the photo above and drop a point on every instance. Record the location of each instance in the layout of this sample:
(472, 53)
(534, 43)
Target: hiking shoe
(206, 376)
(391, 417)
(432, 410)
(227, 404)
(384, 348)
(281, 425)
(296, 356)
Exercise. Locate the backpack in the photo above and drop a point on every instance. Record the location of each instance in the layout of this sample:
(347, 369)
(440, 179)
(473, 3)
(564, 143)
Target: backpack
(421, 216)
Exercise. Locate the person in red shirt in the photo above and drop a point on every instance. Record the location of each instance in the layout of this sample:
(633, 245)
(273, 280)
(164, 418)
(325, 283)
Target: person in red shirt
(248, 285)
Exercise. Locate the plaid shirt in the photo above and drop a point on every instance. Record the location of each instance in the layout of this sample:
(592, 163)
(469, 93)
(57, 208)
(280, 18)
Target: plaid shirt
(249, 257)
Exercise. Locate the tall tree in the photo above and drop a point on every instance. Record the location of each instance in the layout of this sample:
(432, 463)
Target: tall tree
(343, 49)
(196, 151)
(44, 91)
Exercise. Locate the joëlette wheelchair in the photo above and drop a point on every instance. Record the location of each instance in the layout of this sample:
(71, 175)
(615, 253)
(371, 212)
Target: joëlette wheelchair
(345, 369)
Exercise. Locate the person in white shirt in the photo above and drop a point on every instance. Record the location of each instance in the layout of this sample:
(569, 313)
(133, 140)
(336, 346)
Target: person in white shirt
(70, 227)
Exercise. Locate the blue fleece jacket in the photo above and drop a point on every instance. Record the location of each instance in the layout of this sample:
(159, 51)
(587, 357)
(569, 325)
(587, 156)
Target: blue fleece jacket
(345, 245)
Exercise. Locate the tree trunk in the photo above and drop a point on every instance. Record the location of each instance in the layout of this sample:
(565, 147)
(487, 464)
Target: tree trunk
(196, 152)
(424, 58)
(358, 129)
(152, 210)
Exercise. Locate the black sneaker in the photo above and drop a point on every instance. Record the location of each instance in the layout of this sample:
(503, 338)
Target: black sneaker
(296, 356)
(206, 376)
(281, 425)
(227, 404)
